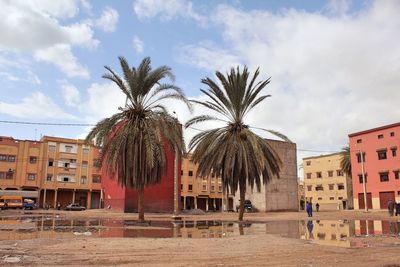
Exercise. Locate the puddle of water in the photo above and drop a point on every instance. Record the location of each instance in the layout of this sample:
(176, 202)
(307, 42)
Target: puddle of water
(326, 232)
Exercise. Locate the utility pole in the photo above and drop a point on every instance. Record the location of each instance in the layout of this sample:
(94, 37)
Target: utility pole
(364, 183)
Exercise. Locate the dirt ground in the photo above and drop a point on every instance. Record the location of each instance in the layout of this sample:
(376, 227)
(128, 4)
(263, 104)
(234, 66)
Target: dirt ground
(246, 250)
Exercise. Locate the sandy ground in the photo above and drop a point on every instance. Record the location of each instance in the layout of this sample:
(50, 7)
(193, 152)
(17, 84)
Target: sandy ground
(247, 250)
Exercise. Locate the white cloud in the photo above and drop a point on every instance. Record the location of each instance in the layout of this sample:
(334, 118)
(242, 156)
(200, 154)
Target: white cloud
(35, 106)
(207, 55)
(42, 29)
(70, 93)
(61, 56)
(331, 74)
(137, 44)
(108, 20)
(98, 104)
(166, 10)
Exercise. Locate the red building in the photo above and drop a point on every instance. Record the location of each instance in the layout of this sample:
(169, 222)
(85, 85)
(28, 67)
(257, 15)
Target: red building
(378, 149)
(157, 198)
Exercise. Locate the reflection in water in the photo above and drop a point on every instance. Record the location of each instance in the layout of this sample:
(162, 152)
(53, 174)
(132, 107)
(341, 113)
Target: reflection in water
(327, 232)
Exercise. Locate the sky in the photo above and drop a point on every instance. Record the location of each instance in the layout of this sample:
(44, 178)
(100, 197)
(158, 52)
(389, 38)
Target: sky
(334, 65)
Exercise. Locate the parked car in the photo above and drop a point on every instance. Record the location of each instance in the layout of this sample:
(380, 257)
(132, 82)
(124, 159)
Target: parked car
(29, 204)
(75, 206)
(247, 206)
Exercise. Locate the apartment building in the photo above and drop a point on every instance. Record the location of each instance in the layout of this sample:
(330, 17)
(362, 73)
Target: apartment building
(200, 192)
(20, 167)
(70, 173)
(374, 154)
(325, 183)
(51, 170)
(280, 193)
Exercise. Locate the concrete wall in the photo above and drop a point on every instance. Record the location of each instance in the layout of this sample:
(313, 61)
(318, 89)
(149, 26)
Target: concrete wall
(279, 194)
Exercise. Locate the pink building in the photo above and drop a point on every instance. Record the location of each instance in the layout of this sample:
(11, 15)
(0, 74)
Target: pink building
(379, 147)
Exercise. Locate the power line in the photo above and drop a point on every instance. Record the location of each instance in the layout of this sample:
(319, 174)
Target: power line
(47, 123)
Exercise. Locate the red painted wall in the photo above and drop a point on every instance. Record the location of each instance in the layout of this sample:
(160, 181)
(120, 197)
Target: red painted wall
(370, 143)
(157, 198)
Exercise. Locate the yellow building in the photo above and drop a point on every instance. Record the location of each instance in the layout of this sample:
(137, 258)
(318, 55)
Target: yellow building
(50, 171)
(197, 192)
(20, 167)
(325, 183)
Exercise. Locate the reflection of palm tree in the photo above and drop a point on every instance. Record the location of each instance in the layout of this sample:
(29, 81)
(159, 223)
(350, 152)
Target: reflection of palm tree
(133, 140)
(234, 152)
(345, 165)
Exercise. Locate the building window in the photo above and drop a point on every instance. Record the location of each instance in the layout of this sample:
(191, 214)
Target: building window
(331, 186)
(190, 188)
(65, 179)
(380, 136)
(396, 175)
(83, 180)
(384, 176)
(212, 188)
(96, 179)
(319, 188)
(330, 173)
(339, 173)
(360, 178)
(309, 187)
(340, 186)
(84, 164)
(49, 178)
(181, 172)
(319, 175)
(68, 149)
(204, 187)
(220, 188)
(85, 151)
(308, 162)
(51, 162)
(52, 148)
(359, 141)
(190, 173)
(382, 155)
(3, 157)
(359, 159)
(394, 152)
(392, 134)
(11, 158)
(31, 176)
(340, 198)
(66, 165)
(181, 187)
(308, 175)
(320, 198)
(32, 160)
(10, 174)
(332, 198)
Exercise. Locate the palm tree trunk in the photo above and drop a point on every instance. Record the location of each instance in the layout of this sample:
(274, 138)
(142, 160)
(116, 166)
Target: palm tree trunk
(141, 203)
(242, 190)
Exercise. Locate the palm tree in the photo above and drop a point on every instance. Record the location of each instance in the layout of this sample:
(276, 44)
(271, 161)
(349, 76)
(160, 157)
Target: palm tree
(345, 165)
(133, 140)
(233, 152)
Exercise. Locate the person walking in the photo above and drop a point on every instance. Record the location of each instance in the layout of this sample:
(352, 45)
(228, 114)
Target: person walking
(391, 207)
(317, 206)
(397, 206)
(309, 209)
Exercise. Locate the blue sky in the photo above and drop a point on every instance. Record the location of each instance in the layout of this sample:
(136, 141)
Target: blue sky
(333, 64)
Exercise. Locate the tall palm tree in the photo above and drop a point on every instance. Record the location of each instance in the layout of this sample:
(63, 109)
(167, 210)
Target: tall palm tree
(132, 141)
(233, 152)
(345, 165)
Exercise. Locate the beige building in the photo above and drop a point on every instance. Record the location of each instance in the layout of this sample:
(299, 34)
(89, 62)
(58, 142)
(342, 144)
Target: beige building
(279, 194)
(325, 183)
(199, 192)
(51, 170)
